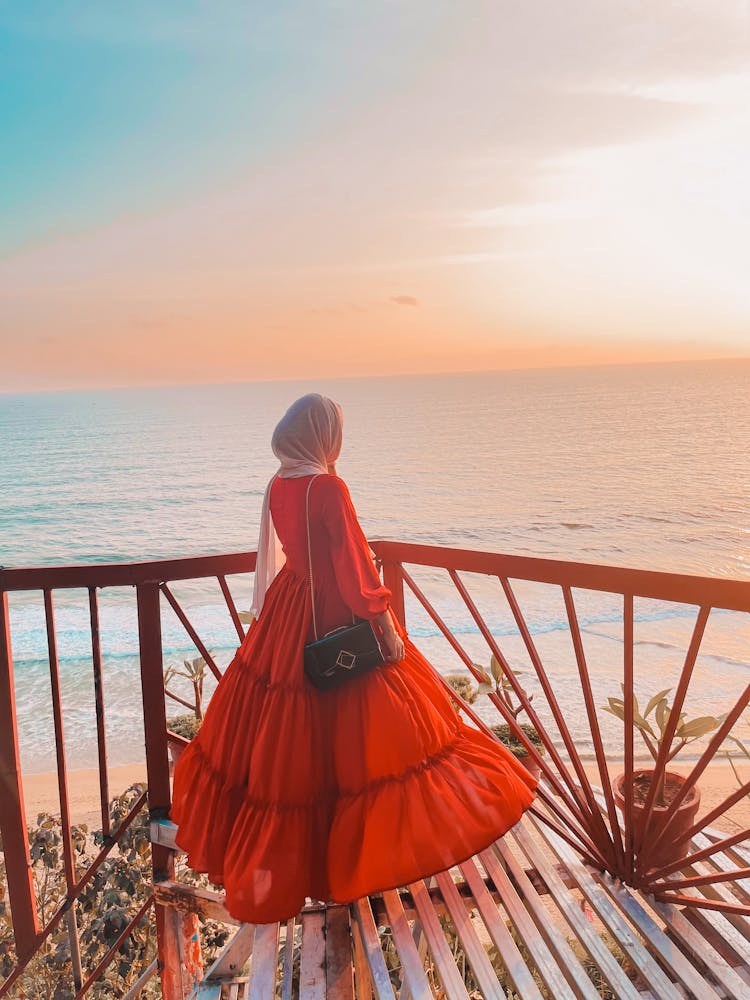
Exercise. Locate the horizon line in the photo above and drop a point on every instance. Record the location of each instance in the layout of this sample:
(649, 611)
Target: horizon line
(384, 375)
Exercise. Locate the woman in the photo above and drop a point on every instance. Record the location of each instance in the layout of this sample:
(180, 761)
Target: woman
(290, 792)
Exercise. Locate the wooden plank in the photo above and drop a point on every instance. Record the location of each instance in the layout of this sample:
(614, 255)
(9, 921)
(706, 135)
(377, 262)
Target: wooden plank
(286, 979)
(233, 955)
(449, 975)
(565, 981)
(475, 953)
(162, 832)
(696, 943)
(421, 942)
(312, 972)
(571, 911)
(265, 957)
(339, 970)
(723, 861)
(640, 956)
(362, 980)
(515, 965)
(381, 981)
(192, 899)
(672, 957)
(412, 965)
(718, 921)
(729, 927)
(234, 991)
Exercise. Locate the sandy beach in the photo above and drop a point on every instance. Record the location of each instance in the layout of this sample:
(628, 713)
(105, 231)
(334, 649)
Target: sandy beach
(41, 794)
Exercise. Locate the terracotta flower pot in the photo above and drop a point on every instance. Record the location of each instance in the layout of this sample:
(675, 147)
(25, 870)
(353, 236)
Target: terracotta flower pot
(531, 765)
(666, 852)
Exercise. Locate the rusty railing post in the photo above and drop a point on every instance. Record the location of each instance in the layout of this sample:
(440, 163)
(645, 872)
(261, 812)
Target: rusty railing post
(180, 963)
(13, 814)
(394, 581)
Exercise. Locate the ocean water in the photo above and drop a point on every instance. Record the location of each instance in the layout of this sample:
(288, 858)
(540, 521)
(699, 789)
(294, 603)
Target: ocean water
(642, 466)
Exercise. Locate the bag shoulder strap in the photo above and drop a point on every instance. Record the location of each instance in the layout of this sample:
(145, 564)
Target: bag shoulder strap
(309, 555)
(309, 559)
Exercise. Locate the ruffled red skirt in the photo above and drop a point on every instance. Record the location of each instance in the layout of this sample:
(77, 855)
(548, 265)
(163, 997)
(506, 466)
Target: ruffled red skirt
(288, 792)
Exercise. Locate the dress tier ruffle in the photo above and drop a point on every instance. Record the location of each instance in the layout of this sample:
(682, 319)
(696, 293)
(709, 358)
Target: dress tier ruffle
(288, 792)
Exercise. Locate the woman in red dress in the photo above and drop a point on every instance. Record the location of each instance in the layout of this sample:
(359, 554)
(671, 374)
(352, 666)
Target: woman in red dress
(290, 792)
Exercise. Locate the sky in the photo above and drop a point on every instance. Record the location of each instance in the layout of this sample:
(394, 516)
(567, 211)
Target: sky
(229, 191)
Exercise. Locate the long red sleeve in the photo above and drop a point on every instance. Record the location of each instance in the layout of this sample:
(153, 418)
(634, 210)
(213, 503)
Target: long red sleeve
(356, 576)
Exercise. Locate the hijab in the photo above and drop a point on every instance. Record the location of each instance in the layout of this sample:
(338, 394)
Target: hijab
(307, 442)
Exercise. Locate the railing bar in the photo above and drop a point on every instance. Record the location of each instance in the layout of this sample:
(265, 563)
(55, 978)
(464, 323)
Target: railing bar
(77, 889)
(593, 858)
(101, 737)
(179, 700)
(666, 741)
(575, 804)
(730, 595)
(703, 903)
(502, 708)
(613, 836)
(713, 745)
(124, 933)
(112, 840)
(75, 947)
(13, 813)
(125, 574)
(231, 606)
(62, 770)
(556, 713)
(716, 847)
(63, 909)
(695, 880)
(629, 685)
(41, 938)
(393, 579)
(680, 588)
(190, 630)
(457, 647)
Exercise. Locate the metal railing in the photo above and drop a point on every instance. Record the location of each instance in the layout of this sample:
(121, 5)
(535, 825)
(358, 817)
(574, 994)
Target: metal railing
(580, 809)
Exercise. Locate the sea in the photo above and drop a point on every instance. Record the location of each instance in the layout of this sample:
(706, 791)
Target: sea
(643, 466)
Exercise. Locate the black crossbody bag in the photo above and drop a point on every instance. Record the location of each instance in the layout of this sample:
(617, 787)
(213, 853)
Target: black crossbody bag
(344, 653)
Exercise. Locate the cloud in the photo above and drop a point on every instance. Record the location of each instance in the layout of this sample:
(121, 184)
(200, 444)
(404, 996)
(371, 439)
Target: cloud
(404, 300)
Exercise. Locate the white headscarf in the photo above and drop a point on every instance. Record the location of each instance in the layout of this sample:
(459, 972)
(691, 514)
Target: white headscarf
(307, 441)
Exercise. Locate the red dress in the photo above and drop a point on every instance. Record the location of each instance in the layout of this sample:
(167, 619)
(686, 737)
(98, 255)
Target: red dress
(287, 791)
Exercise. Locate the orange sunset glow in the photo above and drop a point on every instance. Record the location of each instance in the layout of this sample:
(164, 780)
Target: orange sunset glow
(224, 195)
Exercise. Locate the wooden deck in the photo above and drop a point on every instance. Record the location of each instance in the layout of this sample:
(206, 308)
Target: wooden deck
(525, 918)
(550, 911)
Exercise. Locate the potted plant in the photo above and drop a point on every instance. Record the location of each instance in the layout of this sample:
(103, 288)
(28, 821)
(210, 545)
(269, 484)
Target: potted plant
(651, 724)
(182, 728)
